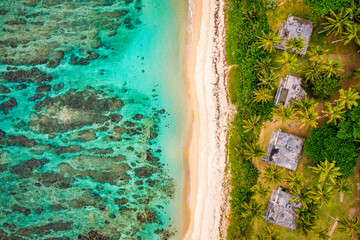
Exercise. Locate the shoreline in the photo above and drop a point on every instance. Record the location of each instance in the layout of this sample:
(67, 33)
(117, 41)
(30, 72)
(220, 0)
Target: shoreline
(207, 83)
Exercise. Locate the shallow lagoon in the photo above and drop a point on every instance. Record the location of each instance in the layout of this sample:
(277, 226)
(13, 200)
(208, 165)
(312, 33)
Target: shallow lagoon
(92, 139)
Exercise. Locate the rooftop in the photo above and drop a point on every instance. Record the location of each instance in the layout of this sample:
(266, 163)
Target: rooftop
(289, 89)
(281, 211)
(295, 27)
(284, 150)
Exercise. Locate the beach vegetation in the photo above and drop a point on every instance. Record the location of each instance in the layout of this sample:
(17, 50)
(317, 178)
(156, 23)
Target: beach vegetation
(327, 171)
(271, 4)
(349, 226)
(295, 44)
(330, 149)
(334, 112)
(269, 233)
(268, 41)
(252, 210)
(273, 175)
(323, 143)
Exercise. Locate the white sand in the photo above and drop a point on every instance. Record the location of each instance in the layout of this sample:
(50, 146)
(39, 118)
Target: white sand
(209, 200)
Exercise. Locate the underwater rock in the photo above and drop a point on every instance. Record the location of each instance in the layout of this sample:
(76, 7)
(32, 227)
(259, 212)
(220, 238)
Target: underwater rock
(16, 21)
(36, 97)
(3, 167)
(106, 151)
(17, 208)
(73, 110)
(3, 11)
(46, 229)
(138, 117)
(59, 86)
(56, 60)
(55, 179)
(69, 149)
(24, 170)
(86, 135)
(22, 86)
(148, 216)
(31, 3)
(8, 105)
(33, 75)
(94, 235)
(121, 201)
(11, 140)
(4, 89)
(75, 60)
(145, 172)
(43, 88)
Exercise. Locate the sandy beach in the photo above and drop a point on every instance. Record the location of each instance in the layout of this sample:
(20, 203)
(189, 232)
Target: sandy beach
(208, 199)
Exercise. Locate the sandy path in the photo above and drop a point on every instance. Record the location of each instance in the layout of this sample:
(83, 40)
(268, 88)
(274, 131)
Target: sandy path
(209, 201)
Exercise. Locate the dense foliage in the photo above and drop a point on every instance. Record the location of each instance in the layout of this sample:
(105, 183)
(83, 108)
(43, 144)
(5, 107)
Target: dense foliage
(322, 7)
(349, 127)
(323, 143)
(245, 21)
(322, 87)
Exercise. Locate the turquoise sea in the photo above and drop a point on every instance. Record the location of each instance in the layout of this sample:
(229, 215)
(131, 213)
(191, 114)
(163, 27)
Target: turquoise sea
(93, 119)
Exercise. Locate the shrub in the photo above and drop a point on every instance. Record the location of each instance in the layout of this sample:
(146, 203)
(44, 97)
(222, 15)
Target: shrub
(349, 126)
(323, 143)
(271, 4)
(322, 88)
(322, 7)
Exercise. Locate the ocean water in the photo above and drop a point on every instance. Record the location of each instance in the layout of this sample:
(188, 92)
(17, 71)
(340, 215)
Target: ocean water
(93, 119)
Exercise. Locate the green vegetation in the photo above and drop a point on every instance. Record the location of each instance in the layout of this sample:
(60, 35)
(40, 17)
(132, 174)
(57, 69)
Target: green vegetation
(245, 21)
(322, 7)
(256, 65)
(323, 143)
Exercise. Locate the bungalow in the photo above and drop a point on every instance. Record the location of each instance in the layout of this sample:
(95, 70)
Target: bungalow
(295, 27)
(289, 89)
(284, 150)
(281, 210)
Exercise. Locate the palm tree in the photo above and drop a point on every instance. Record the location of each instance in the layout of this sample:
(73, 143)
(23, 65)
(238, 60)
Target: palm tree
(273, 175)
(320, 233)
(307, 217)
(342, 185)
(316, 54)
(268, 78)
(252, 210)
(348, 98)
(321, 193)
(269, 233)
(295, 44)
(268, 41)
(253, 151)
(308, 118)
(260, 190)
(349, 225)
(289, 61)
(262, 95)
(332, 67)
(327, 171)
(333, 112)
(352, 33)
(295, 180)
(313, 72)
(304, 104)
(301, 192)
(266, 63)
(336, 22)
(254, 124)
(283, 113)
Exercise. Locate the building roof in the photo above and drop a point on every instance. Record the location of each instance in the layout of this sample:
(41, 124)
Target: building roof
(281, 210)
(289, 89)
(295, 27)
(284, 150)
